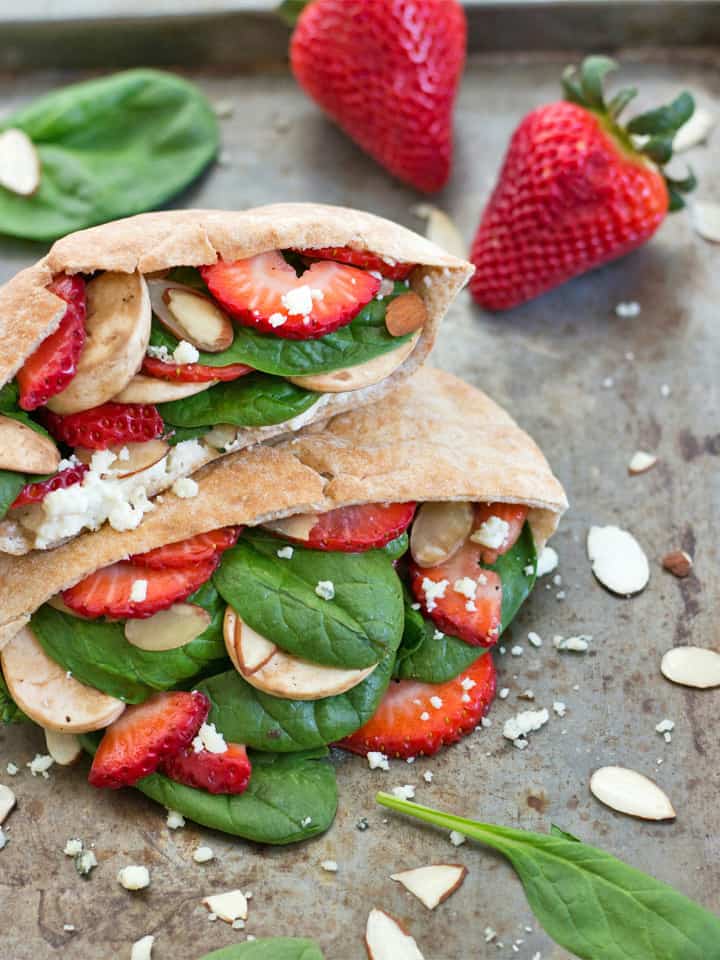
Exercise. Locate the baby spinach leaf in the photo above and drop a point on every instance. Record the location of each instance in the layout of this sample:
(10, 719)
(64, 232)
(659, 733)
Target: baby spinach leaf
(11, 484)
(516, 584)
(277, 598)
(591, 903)
(10, 712)
(397, 547)
(109, 148)
(255, 400)
(559, 832)
(270, 948)
(422, 656)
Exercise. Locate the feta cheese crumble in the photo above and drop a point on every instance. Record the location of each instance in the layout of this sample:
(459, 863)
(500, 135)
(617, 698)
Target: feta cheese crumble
(12, 769)
(175, 820)
(138, 591)
(535, 639)
(325, 589)
(456, 838)
(185, 488)
(491, 533)
(210, 739)
(559, 707)
(436, 702)
(185, 352)
(230, 906)
(40, 764)
(466, 587)
(377, 760)
(406, 792)
(330, 866)
(277, 319)
(85, 861)
(433, 590)
(627, 309)
(73, 847)
(159, 353)
(285, 553)
(299, 301)
(572, 644)
(527, 721)
(428, 776)
(547, 561)
(203, 855)
(134, 877)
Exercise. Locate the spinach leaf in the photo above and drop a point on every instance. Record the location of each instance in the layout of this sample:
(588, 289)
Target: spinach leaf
(591, 903)
(422, 657)
(109, 148)
(97, 653)
(278, 599)
(559, 832)
(516, 585)
(11, 484)
(10, 712)
(363, 339)
(270, 948)
(397, 547)
(255, 400)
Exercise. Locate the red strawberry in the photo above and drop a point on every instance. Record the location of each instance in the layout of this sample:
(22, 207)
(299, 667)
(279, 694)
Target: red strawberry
(107, 592)
(106, 425)
(265, 292)
(513, 514)
(147, 735)
(363, 259)
(193, 372)
(186, 553)
(574, 191)
(470, 604)
(416, 719)
(387, 72)
(227, 772)
(357, 528)
(52, 366)
(36, 492)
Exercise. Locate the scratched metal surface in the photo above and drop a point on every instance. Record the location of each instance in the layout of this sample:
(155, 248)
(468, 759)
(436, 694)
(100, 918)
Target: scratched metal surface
(546, 363)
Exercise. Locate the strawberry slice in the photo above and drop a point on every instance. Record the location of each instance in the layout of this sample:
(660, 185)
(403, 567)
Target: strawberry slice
(108, 592)
(227, 772)
(187, 553)
(358, 528)
(363, 259)
(514, 514)
(104, 426)
(145, 736)
(265, 292)
(193, 372)
(416, 719)
(459, 597)
(53, 365)
(36, 492)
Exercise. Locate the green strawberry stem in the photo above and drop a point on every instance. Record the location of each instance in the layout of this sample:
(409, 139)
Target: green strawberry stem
(290, 10)
(657, 127)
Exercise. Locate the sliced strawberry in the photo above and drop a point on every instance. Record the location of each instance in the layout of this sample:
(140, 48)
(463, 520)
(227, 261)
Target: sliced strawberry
(363, 259)
(106, 425)
(514, 514)
(265, 292)
(193, 372)
(227, 772)
(467, 601)
(107, 592)
(52, 366)
(145, 736)
(416, 719)
(186, 553)
(36, 492)
(366, 526)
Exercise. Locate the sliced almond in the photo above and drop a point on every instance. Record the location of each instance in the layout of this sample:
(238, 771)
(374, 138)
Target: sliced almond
(25, 450)
(45, 692)
(7, 802)
(249, 656)
(439, 530)
(618, 560)
(64, 748)
(386, 939)
(142, 389)
(678, 563)
(405, 314)
(169, 629)
(118, 331)
(230, 906)
(139, 456)
(641, 462)
(705, 218)
(692, 667)
(630, 792)
(358, 377)
(191, 316)
(441, 229)
(432, 885)
(297, 527)
(19, 163)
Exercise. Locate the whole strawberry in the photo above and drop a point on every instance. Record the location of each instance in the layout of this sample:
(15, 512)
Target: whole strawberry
(387, 72)
(576, 190)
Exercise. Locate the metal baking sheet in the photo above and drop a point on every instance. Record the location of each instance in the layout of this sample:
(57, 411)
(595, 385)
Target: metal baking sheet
(589, 387)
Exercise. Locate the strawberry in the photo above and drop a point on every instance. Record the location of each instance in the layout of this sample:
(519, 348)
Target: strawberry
(363, 259)
(416, 719)
(514, 514)
(186, 553)
(104, 426)
(227, 772)
(193, 372)
(36, 492)
(147, 735)
(266, 293)
(575, 190)
(387, 72)
(362, 527)
(52, 366)
(108, 591)
(469, 602)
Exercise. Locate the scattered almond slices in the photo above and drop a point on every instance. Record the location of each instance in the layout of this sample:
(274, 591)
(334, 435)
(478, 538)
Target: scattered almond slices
(705, 219)
(64, 748)
(632, 793)
(168, 629)
(441, 229)
(385, 939)
(360, 376)
(142, 389)
(618, 560)
(19, 163)
(432, 885)
(694, 131)
(439, 530)
(405, 314)
(678, 563)
(190, 315)
(641, 462)
(131, 458)
(24, 450)
(7, 802)
(230, 906)
(692, 667)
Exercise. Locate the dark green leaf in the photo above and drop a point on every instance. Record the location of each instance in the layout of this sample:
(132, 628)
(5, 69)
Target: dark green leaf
(559, 832)
(592, 77)
(11, 484)
(423, 657)
(659, 149)
(516, 584)
(177, 435)
(571, 86)
(664, 121)
(271, 948)
(109, 148)
(290, 10)
(255, 400)
(10, 712)
(277, 598)
(589, 902)
(621, 99)
(397, 547)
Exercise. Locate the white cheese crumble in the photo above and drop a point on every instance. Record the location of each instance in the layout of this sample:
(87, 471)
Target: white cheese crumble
(438, 635)
(627, 309)
(424, 716)
(73, 847)
(466, 587)
(377, 760)
(491, 533)
(138, 591)
(572, 644)
(185, 488)
(159, 353)
(203, 855)
(456, 838)
(210, 739)
(504, 693)
(547, 561)
(428, 776)
(70, 928)
(560, 708)
(516, 651)
(535, 639)
(406, 792)
(175, 820)
(285, 553)
(142, 948)
(85, 862)
(665, 390)
(185, 352)
(525, 722)
(12, 769)
(665, 726)
(299, 300)
(433, 590)
(40, 764)
(134, 877)
(277, 319)
(641, 461)
(467, 683)
(325, 589)
(230, 906)
(330, 866)
(436, 702)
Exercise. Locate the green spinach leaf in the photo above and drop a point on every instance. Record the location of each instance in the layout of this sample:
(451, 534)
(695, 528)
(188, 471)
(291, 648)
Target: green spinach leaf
(270, 948)
(277, 598)
(10, 712)
(397, 547)
(109, 148)
(591, 903)
(423, 657)
(11, 484)
(516, 585)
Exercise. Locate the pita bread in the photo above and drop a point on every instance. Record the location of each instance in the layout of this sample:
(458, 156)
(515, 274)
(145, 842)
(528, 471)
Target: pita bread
(435, 438)
(158, 241)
